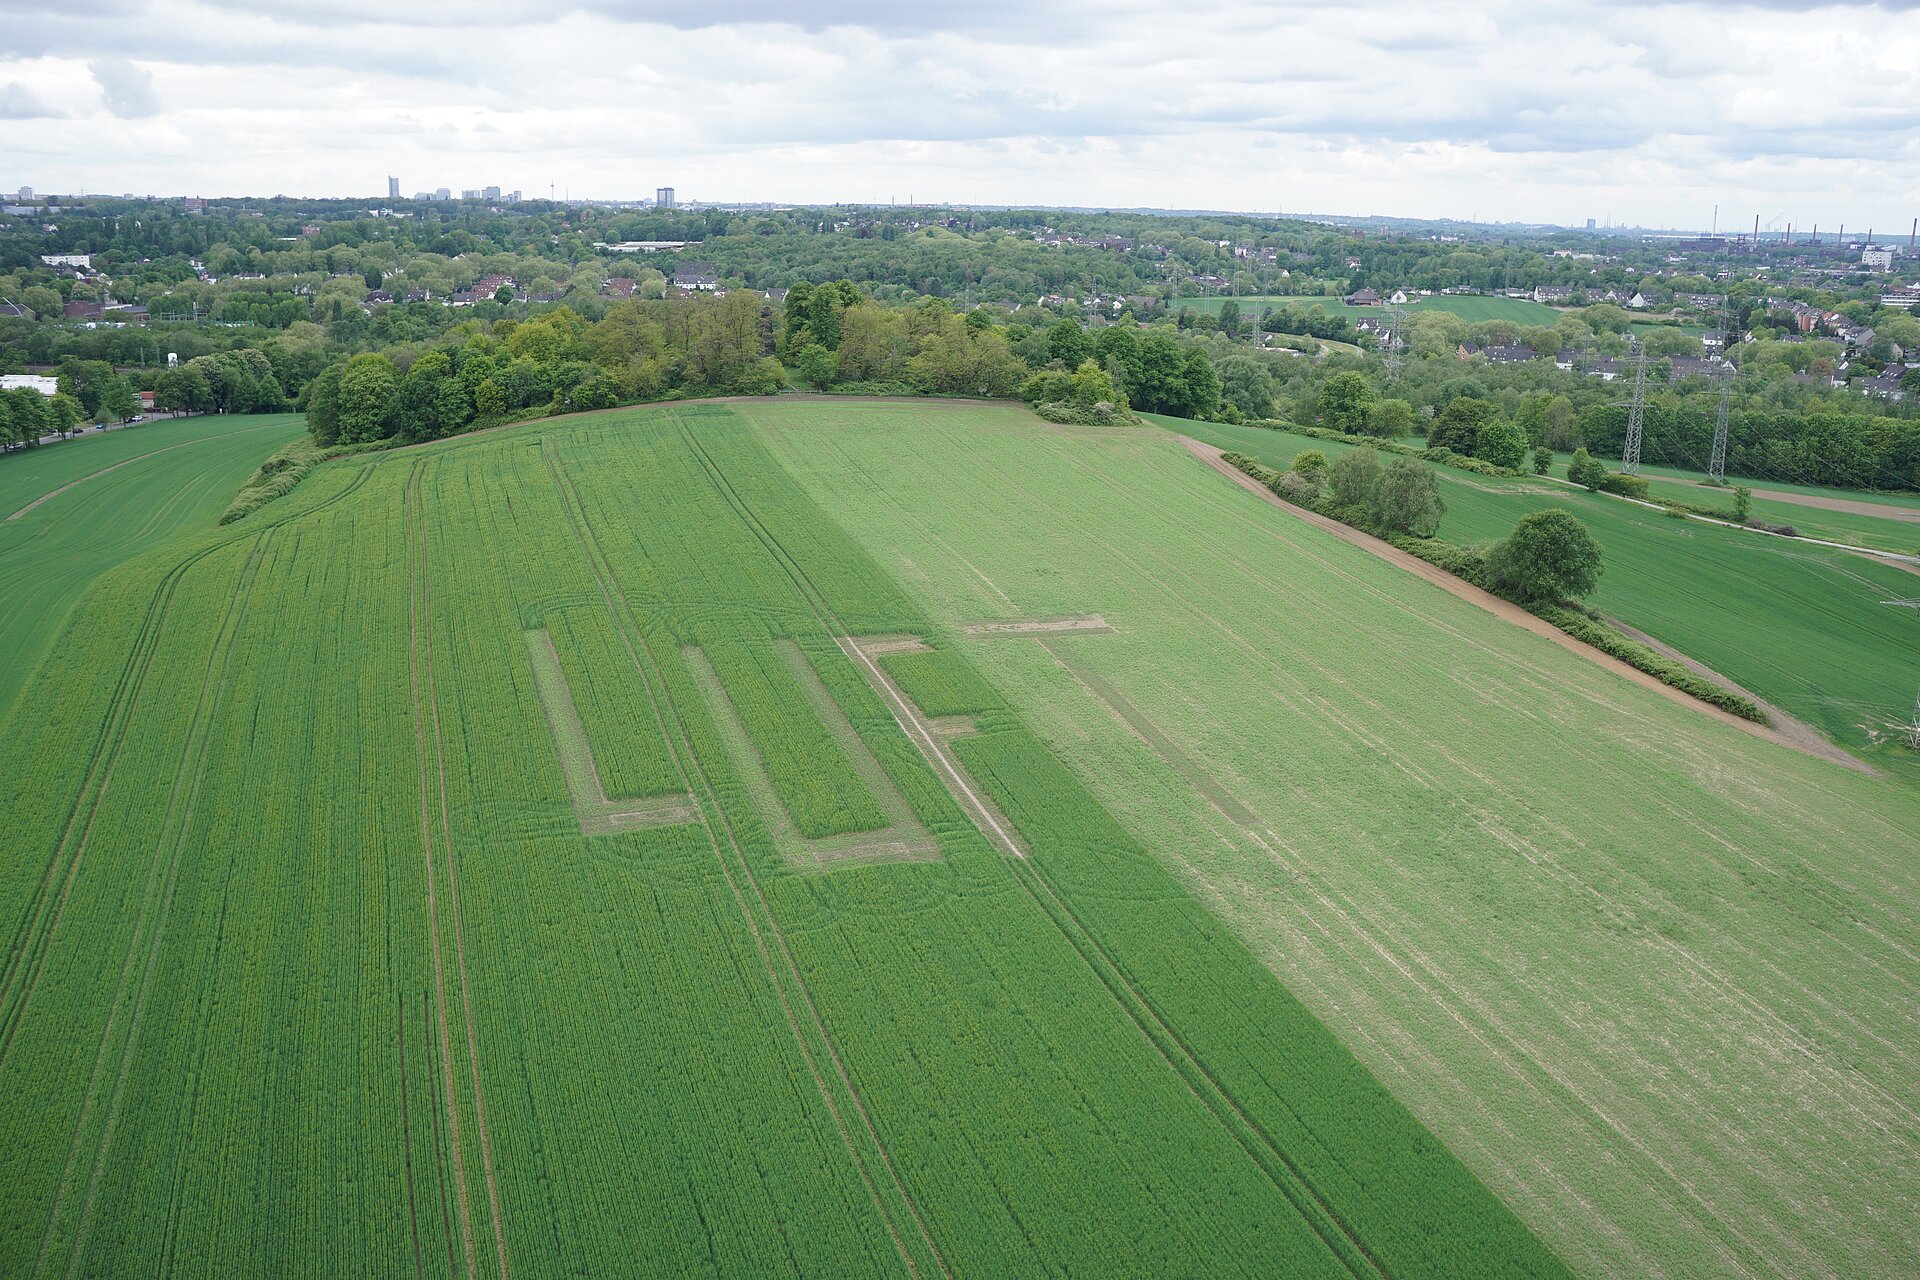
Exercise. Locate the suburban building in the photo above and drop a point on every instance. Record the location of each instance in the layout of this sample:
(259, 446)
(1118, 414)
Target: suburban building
(1876, 258)
(1363, 298)
(30, 381)
(696, 275)
(68, 260)
(1552, 294)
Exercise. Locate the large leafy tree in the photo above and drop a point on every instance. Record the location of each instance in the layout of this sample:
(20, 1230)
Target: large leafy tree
(1345, 402)
(1549, 557)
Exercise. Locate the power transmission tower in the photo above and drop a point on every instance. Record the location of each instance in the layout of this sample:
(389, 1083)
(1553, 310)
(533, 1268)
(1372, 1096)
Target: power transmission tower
(1636, 411)
(1394, 321)
(1717, 465)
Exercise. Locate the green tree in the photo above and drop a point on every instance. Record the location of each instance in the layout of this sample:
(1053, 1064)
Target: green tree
(489, 401)
(367, 387)
(1501, 442)
(323, 405)
(1742, 502)
(1202, 398)
(1230, 318)
(1310, 463)
(1549, 557)
(117, 400)
(63, 412)
(1406, 499)
(1390, 419)
(1542, 460)
(1353, 477)
(1246, 385)
(1068, 343)
(1457, 426)
(1583, 470)
(815, 365)
(1345, 402)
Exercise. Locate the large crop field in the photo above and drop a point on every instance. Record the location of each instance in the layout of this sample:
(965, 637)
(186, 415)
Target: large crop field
(71, 510)
(564, 852)
(1803, 626)
(841, 838)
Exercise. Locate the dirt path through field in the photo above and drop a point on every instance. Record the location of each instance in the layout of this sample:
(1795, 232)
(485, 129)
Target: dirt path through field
(1504, 608)
(1850, 506)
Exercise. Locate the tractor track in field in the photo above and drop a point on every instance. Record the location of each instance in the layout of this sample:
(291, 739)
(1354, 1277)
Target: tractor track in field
(406, 1137)
(1494, 830)
(738, 870)
(127, 462)
(1313, 1206)
(33, 934)
(163, 877)
(420, 643)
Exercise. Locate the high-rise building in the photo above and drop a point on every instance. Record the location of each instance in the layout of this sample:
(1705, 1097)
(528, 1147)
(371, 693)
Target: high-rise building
(1590, 226)
(26, 195)
(663, 198)
(393, 187)
(470, 193)
(441, 193)
(489, 193)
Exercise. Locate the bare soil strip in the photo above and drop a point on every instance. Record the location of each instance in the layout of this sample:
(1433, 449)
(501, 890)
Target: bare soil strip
(1493, 604)
(1039, 626)
(1851, 506)
(1804, 735)
(598, 815)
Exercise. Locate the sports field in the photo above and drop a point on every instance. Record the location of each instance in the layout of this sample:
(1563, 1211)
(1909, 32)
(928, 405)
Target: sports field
(1800, 625)
(833, 838)
(71, 510)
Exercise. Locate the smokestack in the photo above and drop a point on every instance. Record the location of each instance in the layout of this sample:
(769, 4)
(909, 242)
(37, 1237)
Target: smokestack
(1910, 236)
(1816, 233)
(1756, 231)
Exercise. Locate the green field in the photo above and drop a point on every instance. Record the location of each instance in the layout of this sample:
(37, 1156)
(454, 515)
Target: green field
(840, 838)
(1800, 625)
(507, 857)
(1638, 968)
(99, 499)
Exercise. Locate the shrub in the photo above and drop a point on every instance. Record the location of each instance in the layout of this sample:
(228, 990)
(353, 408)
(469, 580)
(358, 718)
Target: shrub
(1297, 487)
(1625, 485)
(1742, 503)
(1784, 530)
(1462, 562)
(1604, 638)
(1311, 462)
(1549, 557)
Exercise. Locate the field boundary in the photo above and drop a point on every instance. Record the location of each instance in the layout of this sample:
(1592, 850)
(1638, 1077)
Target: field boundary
(1505, 609)
(598, 814)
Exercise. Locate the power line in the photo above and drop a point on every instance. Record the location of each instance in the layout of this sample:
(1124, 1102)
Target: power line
(1636, 412)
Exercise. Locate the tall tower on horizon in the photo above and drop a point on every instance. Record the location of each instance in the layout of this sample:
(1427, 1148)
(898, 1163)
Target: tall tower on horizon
(663, 198)
(393, 187)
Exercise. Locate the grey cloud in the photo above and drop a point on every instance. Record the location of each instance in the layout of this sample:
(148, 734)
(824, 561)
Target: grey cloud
(129, 89)
(17, 102)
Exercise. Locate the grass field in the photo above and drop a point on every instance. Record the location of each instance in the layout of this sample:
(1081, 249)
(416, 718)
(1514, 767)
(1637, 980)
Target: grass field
(1800, 625)
(99, 499)
(1654, 979)
(563, 851)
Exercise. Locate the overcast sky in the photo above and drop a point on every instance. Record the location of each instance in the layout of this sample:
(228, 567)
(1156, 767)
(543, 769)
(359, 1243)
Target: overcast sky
(1538, 111)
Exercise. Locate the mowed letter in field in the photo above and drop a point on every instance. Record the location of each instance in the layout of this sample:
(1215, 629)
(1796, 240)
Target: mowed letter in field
(564, 851)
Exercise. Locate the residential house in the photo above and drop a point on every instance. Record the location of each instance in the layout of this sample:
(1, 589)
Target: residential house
(1510, 355)
(692, 276)
(1713, 340)
(1886, 385)
(618, 287)
(83, 310)
(1565, 358)
(1552, 295)
(1363, 298)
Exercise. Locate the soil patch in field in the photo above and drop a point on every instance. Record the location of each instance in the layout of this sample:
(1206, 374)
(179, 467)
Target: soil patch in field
(1039, 626)
(1851, 506)
(1495, 605)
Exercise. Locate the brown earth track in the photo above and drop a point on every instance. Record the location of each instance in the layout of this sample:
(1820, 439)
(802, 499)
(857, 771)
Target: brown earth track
(1500, 608)
(1850, 506)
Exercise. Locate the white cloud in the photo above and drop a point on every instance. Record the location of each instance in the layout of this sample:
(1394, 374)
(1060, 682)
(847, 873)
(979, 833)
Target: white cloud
(1540, 111)
(128, 89)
